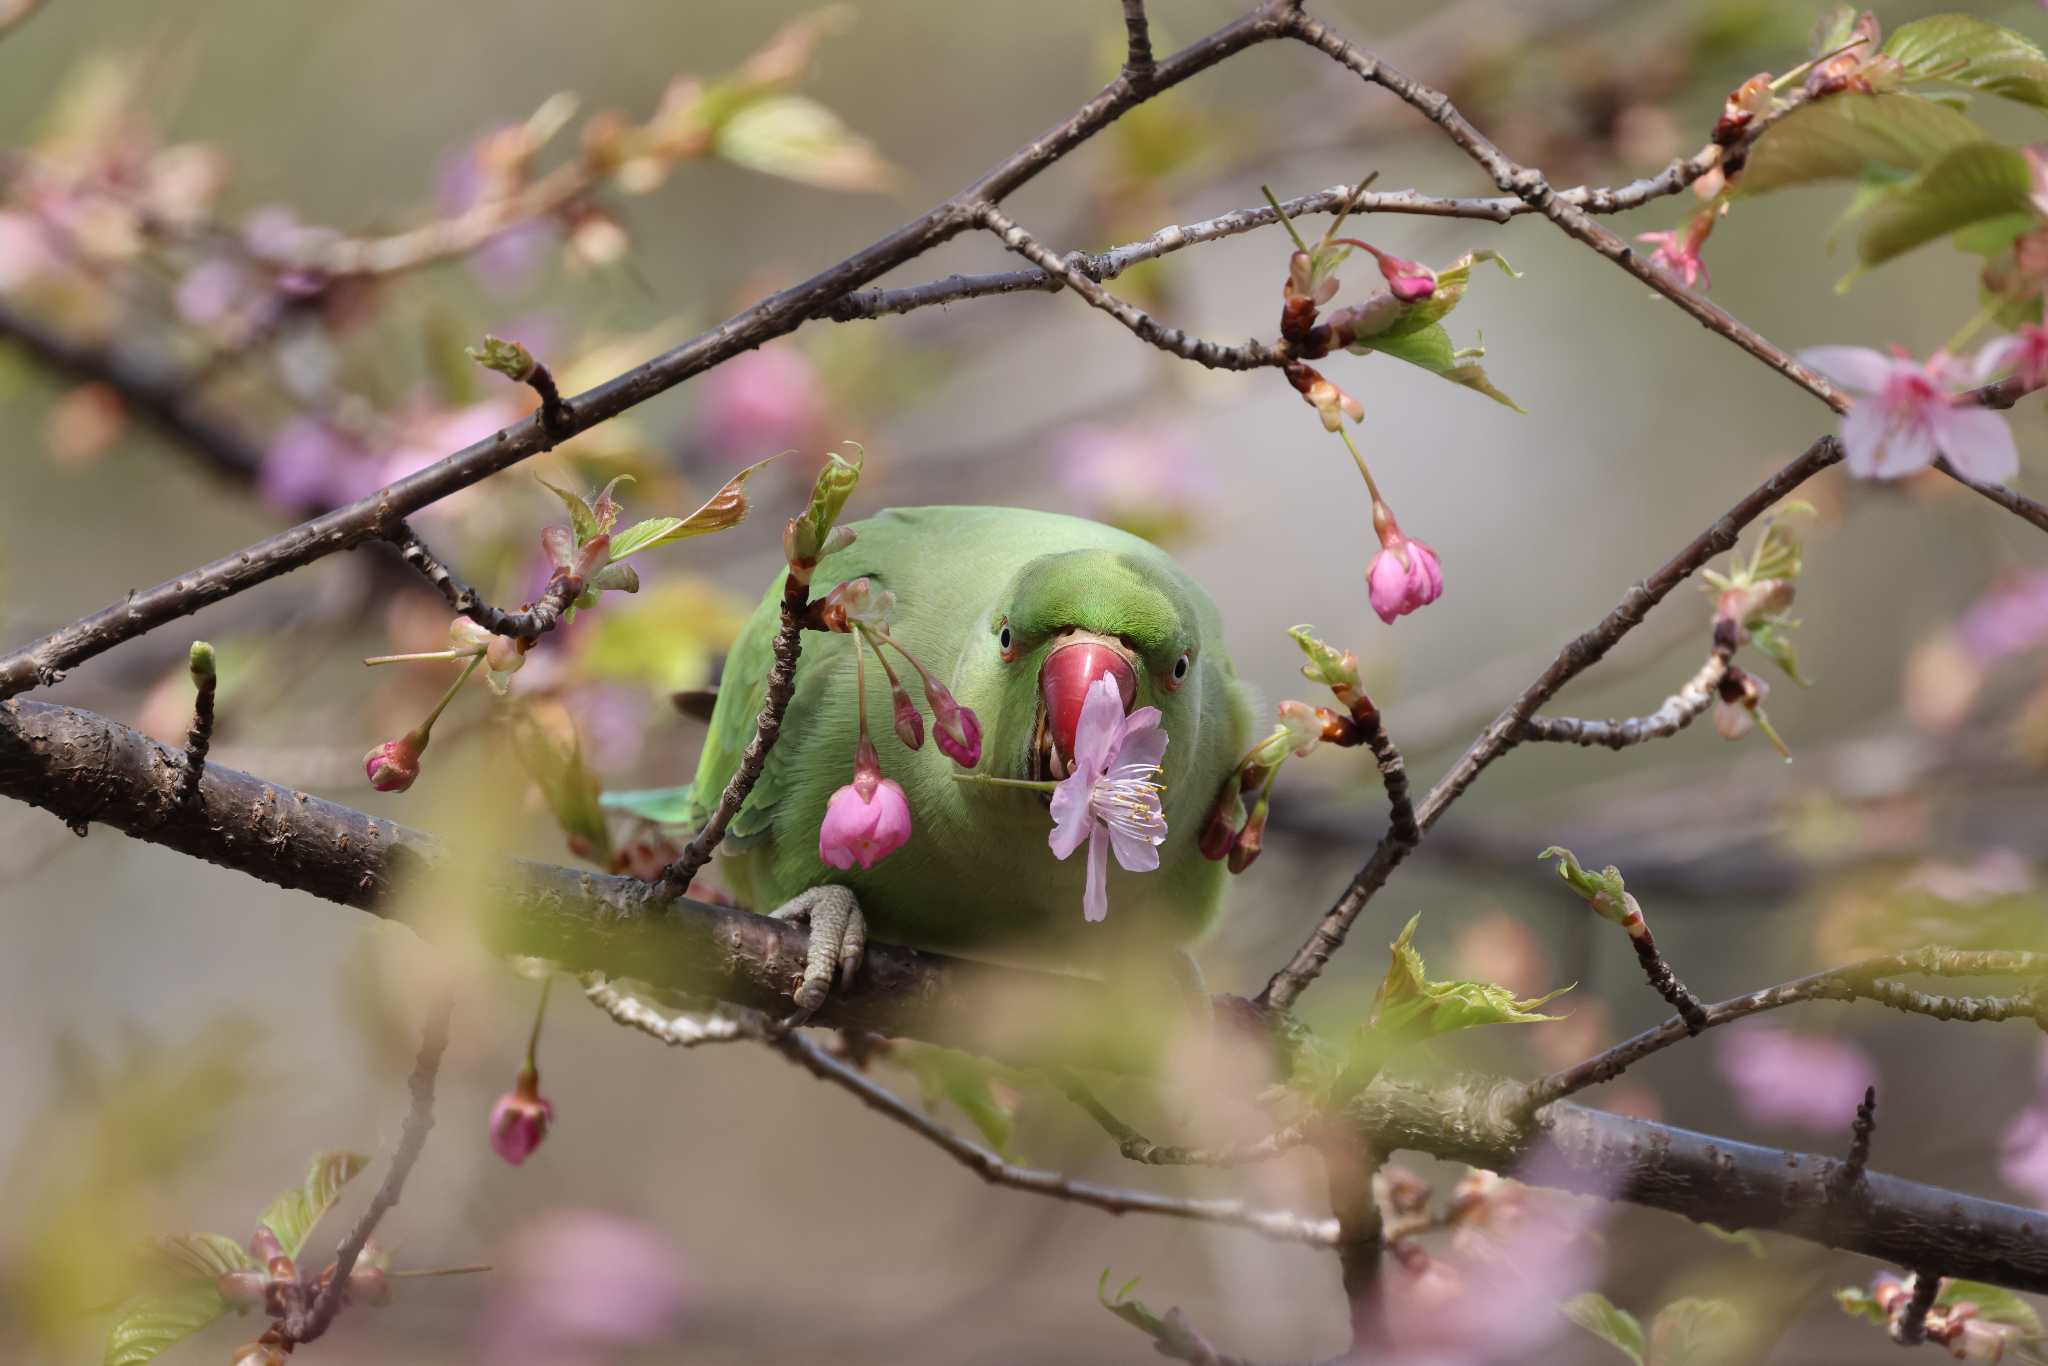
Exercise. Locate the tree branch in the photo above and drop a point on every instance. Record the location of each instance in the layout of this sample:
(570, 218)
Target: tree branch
(1251, 356)
(301, 1327)
(1677, 712)
(44, 661)
(796, 599)
(84, 767)
(531, 624)
(1507, 728)
(1855, 981)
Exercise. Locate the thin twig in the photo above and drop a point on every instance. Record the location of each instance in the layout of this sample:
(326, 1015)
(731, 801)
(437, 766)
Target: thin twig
(1275, 1224)
(1252, 355)
(796, 600)
(419, 1122)
(1138, 64)
(199, 739)
(536, 621)
(1138, 1148)
(1860, 1132)
(1910, 1328)
(1862, 980)
(1677, 711)
(1691, 1013)
(1506, 731)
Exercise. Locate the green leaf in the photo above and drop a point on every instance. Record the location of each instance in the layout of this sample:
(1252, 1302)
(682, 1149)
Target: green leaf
(726, 508)
(946, 1074)
(1969, 185)
(1430, 348)
(1994, 236)
(1743, 1238)
(1854, 1300)
(1451, 283)
(1697, 1332)
(662, 805)
(1848, 136)
(1124, 1307)
(1994, 1304)
(1412, 1005)
(582, 521)
(795, 137)
(1608, 1321)
(293, 1214)
(1964, 50)
(148, 1324)
(208, 1255)
(569, 786)
(1772, 636)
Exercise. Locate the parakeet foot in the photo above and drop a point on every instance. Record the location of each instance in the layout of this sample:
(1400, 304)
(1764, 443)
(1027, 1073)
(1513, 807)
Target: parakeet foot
(839, 938)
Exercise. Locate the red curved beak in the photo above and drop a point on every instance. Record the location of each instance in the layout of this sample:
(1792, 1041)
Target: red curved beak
(1065, 679)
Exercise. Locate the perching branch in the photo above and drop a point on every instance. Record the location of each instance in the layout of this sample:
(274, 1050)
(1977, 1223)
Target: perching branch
(796, 600)
(1507, 729)
(304, 1325)
(1138, 1148)
(1860, 1132)
(1138, 64)
(83, 767)
(1864, 980)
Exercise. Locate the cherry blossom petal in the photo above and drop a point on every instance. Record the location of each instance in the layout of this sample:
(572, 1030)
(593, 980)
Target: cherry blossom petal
(1854, 367)
(1863, 433)
(1145, 749)
(1095, 902)
(1136, 853)
(1071, 818)
(1908, 449)
(1977, 441)
(1096, 734)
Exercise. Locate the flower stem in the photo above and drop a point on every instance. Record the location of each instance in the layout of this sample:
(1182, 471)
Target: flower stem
(1285, 221)
(860, 685)
(1370, 486)
(430, 654)
(1970, 328)
(540, 1013)
(449, 696)
(985, 780)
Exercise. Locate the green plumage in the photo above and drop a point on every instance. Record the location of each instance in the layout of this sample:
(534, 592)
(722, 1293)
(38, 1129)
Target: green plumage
(977, 875)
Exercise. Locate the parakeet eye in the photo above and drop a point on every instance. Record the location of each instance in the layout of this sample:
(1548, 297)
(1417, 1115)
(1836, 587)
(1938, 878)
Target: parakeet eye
(1006, 642)
(1180, 670)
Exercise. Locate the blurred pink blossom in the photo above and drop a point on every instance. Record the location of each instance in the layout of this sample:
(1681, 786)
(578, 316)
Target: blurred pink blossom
(2024, 352)
(762, 402)
(2023, 1149)
(579, 1286)
(427, 433)
(2009, 619)
(507, 261)
(1804, 1081)
(1906, 414)
(213, 291)
(25, 252)
(313, 464)
(1143, 476)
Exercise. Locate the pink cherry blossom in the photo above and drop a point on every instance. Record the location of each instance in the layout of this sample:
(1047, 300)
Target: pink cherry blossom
(1111, 799)
(1409, 281)
(2023, 1148)
(865, 822)
(1805, 1081)
(2024, 353)
(521, 1119)
(1678, 251)
(1907, 414)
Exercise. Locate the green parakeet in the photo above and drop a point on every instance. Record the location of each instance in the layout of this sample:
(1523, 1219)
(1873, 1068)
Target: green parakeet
(1017, 612)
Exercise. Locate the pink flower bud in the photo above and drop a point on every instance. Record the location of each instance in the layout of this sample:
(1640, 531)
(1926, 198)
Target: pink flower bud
(559, 546)
(464, 634)
(909, 721)
(505, 654)
(520, 1119)
(1404, 575)
(242, 1289)
(956, 730)
(1304, 727)
(1409, 281)
(865, 822)
(394, 765)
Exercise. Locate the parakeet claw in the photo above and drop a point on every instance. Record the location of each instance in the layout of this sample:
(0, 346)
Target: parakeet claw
(839, 938)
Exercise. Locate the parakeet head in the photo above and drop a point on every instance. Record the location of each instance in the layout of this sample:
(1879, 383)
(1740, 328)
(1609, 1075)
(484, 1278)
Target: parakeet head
(1068, 619)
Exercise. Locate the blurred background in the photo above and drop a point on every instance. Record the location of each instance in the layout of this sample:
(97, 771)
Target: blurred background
(178, 1040)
